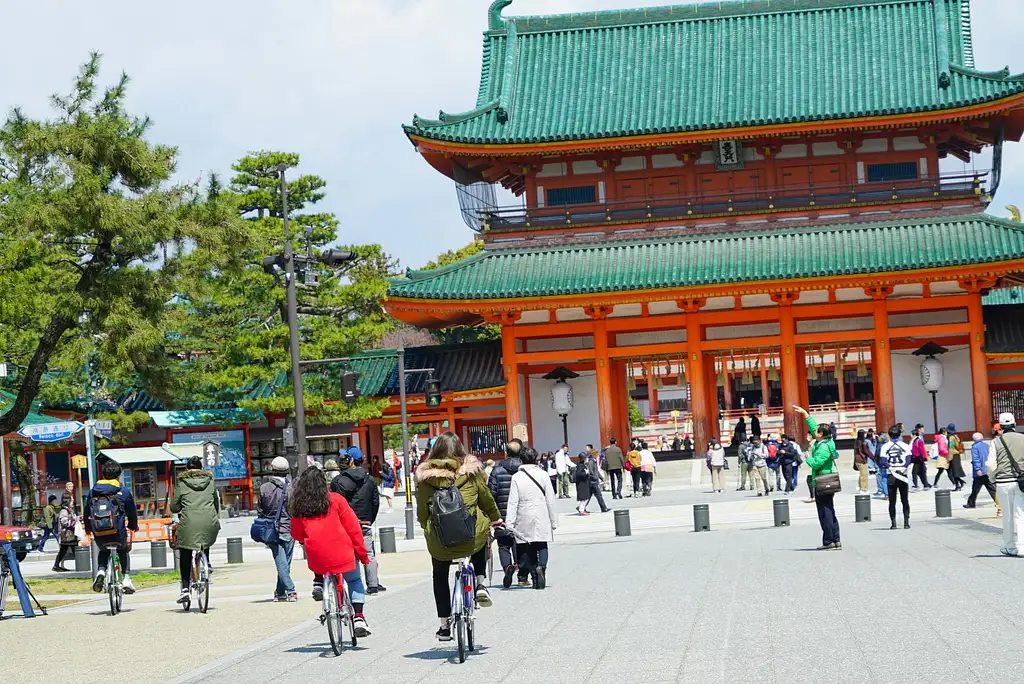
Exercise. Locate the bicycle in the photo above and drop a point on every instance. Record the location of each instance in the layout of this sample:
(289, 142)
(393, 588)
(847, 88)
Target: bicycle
(463, 606)
(113, 581)
(200, 583)
(338, 613)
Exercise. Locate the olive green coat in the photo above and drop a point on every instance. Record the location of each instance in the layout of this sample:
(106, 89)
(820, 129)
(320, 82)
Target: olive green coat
(469, 478)
(198, 506)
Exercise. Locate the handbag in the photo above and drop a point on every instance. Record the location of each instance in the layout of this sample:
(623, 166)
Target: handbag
(1013, 464)
(264, 530)
(827, 484)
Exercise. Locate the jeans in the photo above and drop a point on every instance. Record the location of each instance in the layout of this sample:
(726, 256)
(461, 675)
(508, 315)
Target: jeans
(442, 591)
(1012, 501)
(533, 555)
(282, 551)
(509, 552)
(882, 479)
(563, 485)
(899, 488)
(122, 553)
(827, 517)
(615, 475)
(47, 533)
(648, 482)
(979, 482)
(635, 473)
(372, 579)
(356, 589)
(185, 564)
(796, 476)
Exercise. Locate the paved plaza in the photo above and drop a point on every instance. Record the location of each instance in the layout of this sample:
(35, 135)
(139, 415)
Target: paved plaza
(745, 602)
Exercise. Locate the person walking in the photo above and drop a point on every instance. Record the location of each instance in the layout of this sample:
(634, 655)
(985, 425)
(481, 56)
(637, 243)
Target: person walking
(716, 462)
(920, 455)
(740, 431)
(49, 522)
(562, 467)
(758, 455)
(896, 456)
(360, 492)
(861, 456)
(197, 505)
(745, 463)
(787, 457)
(500, 484)
(633, 458)
(822, 461)
(531, 517)
(956, 466)
(274, 498)
(594, 471)
(1009, 446)
(771, 446)
(755, 425)
(942, 463)
(66, 521)
(979, 471)
(581, 478)
(882, 476)
(387, 492)
(447, 465)
(797, 461)
(648, 468)
(614, 464)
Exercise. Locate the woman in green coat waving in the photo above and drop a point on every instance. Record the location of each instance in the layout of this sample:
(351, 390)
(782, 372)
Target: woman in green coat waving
(198, 507)
(822, 461)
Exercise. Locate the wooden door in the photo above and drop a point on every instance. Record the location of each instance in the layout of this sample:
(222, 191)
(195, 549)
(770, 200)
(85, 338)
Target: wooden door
(794, 177)
(631, 191)
(827, 177)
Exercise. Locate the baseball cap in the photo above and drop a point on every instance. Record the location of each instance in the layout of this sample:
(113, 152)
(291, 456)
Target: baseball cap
(356, 454)
(1007, 420)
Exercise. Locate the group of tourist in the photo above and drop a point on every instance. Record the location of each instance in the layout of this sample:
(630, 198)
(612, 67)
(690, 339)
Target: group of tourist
(770, 464)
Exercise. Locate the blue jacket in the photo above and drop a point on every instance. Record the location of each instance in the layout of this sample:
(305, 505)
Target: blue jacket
(979, 457)
(126, 501)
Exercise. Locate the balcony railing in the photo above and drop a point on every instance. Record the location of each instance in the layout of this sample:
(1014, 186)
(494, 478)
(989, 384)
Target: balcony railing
(738, 202)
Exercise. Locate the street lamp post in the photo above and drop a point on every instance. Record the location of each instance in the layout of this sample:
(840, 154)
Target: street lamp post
(410, 518)
(293, 329)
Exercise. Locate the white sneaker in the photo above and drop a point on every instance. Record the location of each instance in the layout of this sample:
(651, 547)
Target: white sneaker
(360, 627)
(129, 588)
(97, 584)
(1008, 552)
(483, 597)
(184, 596)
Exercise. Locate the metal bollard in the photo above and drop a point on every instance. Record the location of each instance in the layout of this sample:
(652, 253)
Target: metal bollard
(158, 554)
(701, 518)
(94, 558)
(177, 560)
(82, 557)
(943, 505)
(862, 508)
(781, 509)
(234, 550)
(387, 539)
(622, 528)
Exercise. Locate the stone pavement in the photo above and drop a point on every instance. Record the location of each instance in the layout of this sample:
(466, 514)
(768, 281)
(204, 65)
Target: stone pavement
(934, 603)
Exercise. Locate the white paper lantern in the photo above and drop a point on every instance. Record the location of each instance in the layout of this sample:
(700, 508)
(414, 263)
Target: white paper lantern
(931, 374)
(561, 398)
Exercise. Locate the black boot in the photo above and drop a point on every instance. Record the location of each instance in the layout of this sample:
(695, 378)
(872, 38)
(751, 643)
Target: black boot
(541, 578)
(893, 526)
(906, 523)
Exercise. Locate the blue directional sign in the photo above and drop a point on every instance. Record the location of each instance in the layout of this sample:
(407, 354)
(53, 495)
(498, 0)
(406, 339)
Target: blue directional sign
(51, 432)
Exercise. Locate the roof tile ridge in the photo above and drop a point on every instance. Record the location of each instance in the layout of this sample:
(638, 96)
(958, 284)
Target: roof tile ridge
(427, 274)
(998, 75)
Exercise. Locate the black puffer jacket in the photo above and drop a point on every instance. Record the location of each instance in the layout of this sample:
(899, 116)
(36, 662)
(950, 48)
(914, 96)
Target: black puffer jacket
(500, 481)
(360, 490)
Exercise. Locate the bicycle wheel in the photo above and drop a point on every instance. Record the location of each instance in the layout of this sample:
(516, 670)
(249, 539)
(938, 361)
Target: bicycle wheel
(111, 579)
(202, 575)
(460, 628)
(332, 612)
(350, 617)
(490, 562)
(470, 604)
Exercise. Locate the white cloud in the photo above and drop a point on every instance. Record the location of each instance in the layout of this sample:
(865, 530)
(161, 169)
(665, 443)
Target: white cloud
(332, 80)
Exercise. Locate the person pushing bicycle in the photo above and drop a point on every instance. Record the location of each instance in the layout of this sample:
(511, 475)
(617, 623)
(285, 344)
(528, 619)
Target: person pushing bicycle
(198, 507)
(109, 516)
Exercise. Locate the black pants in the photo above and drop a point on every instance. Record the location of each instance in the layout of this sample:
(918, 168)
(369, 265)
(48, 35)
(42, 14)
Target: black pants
(787, 473)
(616, 482)
(442, 590)
(635, 473)
(648, 480)
(533, 555)
(69, 550)
(827, 517)
(185, 565)
(979, 482)
(902, 488)
(810, 486)
(122, 553)
(947, 472)
(920, 470)
(595, 492)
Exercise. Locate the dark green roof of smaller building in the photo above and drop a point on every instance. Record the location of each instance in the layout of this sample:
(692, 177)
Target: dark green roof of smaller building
(720, 258)
(459, 367)
(717, 65)
(1004, 329)
(1005, 296)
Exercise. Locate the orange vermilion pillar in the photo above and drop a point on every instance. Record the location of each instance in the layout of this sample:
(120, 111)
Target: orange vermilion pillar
(881, 360)
(695, 373)
(605, 412)
(789, 373)
(513, 406)
(979, 364)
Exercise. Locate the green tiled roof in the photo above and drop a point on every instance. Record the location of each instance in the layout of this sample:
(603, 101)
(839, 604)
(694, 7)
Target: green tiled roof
(1004, 297)
(720, 258)
(459, 367)
(717, 65)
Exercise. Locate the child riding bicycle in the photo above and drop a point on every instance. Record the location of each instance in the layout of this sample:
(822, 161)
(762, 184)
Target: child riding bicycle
(108, 516)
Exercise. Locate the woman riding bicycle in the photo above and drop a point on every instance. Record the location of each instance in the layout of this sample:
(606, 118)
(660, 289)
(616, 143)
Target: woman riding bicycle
(448, 464)
(198, 507)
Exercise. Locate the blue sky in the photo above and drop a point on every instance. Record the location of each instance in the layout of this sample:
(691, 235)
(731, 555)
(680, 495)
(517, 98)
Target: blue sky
(332, 80)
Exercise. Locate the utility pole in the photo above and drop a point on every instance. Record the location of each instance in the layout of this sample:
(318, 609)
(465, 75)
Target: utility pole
(293, 328)
(409, 520)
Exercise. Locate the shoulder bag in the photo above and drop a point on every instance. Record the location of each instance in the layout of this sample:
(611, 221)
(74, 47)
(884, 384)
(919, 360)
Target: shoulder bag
(827, 484)
(264, 530)
(1013, 464)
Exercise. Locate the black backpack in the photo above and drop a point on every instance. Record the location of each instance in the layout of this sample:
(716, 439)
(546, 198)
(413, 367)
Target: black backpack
(105, 515)
(451, 520)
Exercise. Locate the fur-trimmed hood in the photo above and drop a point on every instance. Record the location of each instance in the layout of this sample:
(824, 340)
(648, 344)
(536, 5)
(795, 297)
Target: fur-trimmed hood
(196, 479)
(444, 472)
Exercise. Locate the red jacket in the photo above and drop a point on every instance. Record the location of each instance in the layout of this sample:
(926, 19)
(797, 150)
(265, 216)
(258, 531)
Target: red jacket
(333, 541)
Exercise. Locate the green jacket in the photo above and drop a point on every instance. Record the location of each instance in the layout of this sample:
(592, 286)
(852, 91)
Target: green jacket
(823, 455)
(49, 516)
(432, 475)
(198, 506)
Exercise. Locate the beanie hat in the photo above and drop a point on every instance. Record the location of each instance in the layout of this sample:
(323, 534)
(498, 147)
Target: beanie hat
(280, 464)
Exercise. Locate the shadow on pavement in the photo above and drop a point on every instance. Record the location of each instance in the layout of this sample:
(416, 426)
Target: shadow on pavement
(449, 653)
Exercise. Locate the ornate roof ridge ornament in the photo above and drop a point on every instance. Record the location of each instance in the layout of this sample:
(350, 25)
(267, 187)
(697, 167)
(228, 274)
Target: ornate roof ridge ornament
(495, 22)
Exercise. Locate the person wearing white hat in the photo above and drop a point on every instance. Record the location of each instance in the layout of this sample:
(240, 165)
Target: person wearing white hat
(273, 503)
(1008, 476)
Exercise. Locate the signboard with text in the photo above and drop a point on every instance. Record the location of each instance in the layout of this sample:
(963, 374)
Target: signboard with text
(231, 452)
(51, 432)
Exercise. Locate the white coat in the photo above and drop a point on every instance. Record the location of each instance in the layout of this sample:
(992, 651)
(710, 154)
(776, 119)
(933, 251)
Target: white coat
(531, 513)
(562, 461)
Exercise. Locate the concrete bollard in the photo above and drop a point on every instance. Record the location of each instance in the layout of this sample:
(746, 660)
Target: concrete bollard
(622, 527)
(94, 558)
(701, 518)
(780, 507)
(177, 560)
(862, 508)
(82, 559)
(387, 539)
(158, 554)
(943, 505)
(234, 550)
